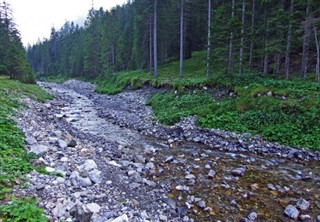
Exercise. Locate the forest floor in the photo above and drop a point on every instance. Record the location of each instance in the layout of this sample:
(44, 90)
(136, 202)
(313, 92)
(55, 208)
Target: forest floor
(107, 158)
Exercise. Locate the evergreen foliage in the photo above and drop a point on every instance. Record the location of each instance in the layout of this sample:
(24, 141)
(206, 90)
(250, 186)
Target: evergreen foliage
(12, 54)
(261, 36)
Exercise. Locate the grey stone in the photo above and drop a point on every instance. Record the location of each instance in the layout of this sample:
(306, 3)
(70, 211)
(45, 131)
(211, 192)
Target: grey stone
(93, 207)
(292, 212)
(59, 210)
(252, 216)
(88, 165)
(190, 176)
(202, 204)
(122, 218)
(306, 218)
(150, 166)
(239, 171)
(95, 176)
(271, 187)
(163, 218)
(169, 159)
(62, 144)
(39, 150)
(170, 202)
(211, 174)
(149, 183)
(84, 181)
(30, 140)
(302, 204)
(72, 143)
(134, 186)
(135, 177)
(81, 213)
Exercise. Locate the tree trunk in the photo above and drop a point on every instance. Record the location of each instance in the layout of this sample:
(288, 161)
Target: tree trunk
(229, 68)
(289, 37)
(252, 32)
(209, 38)
(242, 37)
(155, 39)
(276, 69)
(306, 42)
(150, 44)
(318, 52)
(181, 37)
(266, 39)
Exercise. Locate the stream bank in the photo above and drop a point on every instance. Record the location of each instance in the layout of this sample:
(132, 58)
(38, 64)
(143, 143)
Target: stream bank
(117, 163)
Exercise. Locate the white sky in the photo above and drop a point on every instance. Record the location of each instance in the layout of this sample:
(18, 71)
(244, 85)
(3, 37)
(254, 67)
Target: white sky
(36, 17)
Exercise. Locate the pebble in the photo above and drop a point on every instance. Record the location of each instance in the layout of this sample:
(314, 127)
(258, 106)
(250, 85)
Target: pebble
(292, 212)
(302, 204)
(238, 171)
(211, 174)
(253, 216)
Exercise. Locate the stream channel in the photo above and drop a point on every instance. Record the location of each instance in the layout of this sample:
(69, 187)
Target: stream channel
(204, 183)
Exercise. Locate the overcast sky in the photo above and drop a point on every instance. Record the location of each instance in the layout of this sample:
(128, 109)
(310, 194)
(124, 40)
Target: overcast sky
(36, 17)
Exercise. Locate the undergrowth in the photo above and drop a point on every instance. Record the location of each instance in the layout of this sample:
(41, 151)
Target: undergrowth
(14, 161)
(281, 111)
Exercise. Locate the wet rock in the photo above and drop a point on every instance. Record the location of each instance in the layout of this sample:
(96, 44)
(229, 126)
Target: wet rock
(239, 171)
(292, 212)
(302, 204)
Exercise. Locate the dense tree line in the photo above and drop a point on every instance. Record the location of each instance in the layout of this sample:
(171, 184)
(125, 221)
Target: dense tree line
(12, 54)
(268, 36)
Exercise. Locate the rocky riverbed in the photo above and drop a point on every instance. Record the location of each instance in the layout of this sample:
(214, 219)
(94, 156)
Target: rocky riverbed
(109, 160)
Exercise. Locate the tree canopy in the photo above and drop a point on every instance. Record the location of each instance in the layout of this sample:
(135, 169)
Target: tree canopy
(12, 54)
(268, 37)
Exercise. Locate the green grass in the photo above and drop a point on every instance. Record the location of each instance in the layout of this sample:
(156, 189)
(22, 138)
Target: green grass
(14, 161)
(281, 111)
(194, 75)
(287, 112)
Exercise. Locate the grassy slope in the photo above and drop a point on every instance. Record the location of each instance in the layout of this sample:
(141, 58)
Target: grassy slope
(282, 111)
(14, 162)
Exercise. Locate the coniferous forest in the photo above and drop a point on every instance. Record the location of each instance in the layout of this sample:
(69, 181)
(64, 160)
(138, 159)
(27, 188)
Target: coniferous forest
(12, 54)
(268, 37)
